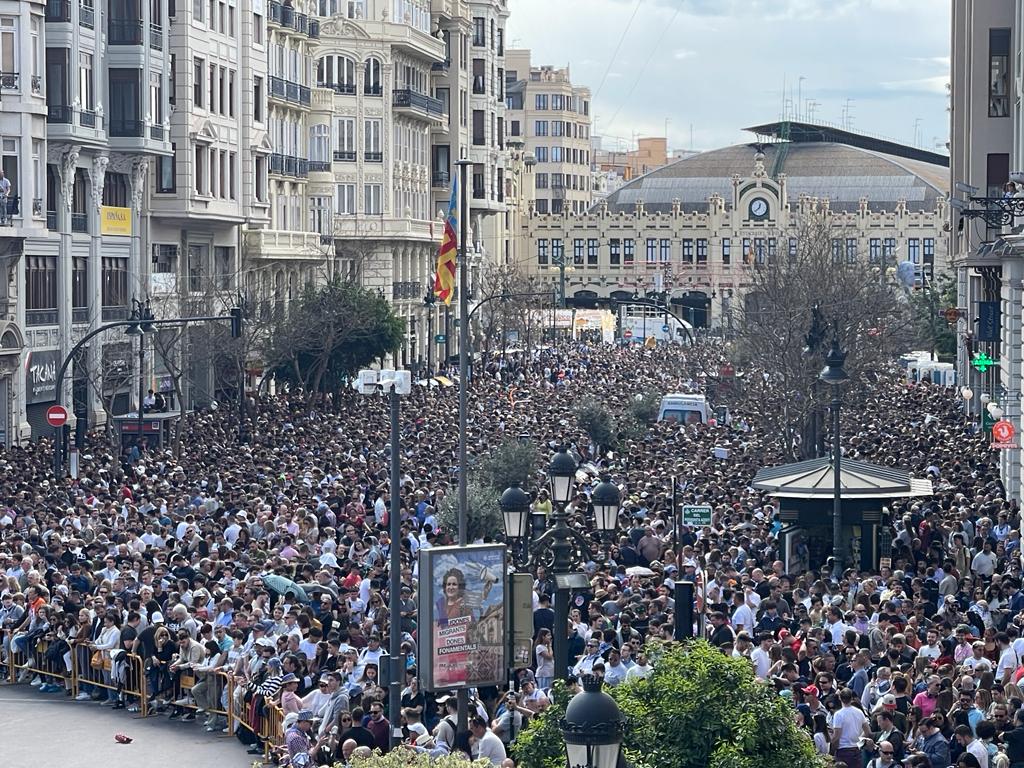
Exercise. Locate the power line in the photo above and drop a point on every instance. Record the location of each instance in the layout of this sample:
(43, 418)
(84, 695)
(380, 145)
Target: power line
(640, 74)
(615, 53)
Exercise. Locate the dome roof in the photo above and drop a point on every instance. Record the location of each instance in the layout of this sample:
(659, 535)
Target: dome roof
(839, 172)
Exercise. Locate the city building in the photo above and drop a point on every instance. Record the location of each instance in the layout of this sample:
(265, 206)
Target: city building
(650, 154)
(552, 117)
(694, 227)
(987, 155)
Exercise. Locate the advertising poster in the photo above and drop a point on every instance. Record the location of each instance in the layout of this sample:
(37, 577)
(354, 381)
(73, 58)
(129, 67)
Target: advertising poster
(462, 633)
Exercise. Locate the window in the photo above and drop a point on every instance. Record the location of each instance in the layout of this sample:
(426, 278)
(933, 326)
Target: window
(557, 102)
(748, 252)
(665, 251)
(337, 72)
(541, 101)
(652, 250)
(557, 128)
(371, 77)
(40, 282)
(257, 29)
(125, 113)
(213, 88)
(929, 250)
(542, 251)
(195, 266)
(837, 250)
(115, 190)
(687, 251)
(346, 128)
(479, 77)
(792, 249)
(557, 154)
(914, 250)
(165, 259)
(702, 250)
(198, 69)
(372, 199)
(874, 250)
(86, 93)
(540, 181)
(479, 137)
(257, 99)
(356, 9)
(115, 282)
(260, 165)
(628, 251)
(345, 198)
(726, 250)
(79, 282)
(501, 42)
(999, 73)
(231, 93)
(592, 251)
(371, 139)
(577, 252)
(889, 248)
(479, 32)
(200, 170)
(851, 250)
(557, 251)
(614, 251)
(198, 10)
(540, 127)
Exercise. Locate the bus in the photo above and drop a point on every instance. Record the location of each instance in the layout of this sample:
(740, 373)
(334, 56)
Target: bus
(639, 322)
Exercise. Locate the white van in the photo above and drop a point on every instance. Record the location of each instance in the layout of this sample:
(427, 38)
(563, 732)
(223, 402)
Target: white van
(685, 409)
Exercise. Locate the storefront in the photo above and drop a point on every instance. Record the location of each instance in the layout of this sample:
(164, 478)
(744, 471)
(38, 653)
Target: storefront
(41, 367)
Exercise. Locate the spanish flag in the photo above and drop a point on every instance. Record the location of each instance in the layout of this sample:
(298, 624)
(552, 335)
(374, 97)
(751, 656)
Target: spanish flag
(444, 278)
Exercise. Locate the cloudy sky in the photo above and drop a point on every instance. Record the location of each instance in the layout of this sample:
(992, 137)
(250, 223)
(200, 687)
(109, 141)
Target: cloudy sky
(714, 67)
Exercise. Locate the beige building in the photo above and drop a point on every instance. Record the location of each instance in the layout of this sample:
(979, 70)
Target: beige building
(552, 118)
(693, 228)
(987, 151)
(650, 154)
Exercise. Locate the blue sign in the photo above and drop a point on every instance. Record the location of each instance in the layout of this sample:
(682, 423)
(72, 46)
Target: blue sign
(664, 328)
(988, 321)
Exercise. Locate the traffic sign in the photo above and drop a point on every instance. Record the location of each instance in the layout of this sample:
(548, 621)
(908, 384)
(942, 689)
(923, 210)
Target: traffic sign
(1003, 432)
(697, 515)
(627, 334)
(664, 328)
(440, 338)
(56, 415)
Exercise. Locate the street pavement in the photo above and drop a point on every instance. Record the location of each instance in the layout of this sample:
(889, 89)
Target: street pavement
(51, 730)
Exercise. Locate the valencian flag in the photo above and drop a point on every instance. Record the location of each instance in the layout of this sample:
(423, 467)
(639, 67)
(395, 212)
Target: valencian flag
(444, 278)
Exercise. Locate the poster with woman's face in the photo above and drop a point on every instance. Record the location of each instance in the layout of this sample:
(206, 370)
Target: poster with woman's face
(462, 597)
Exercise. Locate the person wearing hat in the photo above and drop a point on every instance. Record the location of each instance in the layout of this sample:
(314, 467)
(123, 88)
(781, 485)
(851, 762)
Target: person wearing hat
(297, 741)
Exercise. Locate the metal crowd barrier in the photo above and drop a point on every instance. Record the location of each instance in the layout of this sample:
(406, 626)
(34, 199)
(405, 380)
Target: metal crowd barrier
(222, 682)
(272, 731)
(126, 677)
(37, 663)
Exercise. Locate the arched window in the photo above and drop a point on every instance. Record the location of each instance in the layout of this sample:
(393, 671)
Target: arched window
(371, 78)
(337, 72)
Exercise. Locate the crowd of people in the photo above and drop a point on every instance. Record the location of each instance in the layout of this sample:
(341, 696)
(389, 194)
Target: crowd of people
(267, 563)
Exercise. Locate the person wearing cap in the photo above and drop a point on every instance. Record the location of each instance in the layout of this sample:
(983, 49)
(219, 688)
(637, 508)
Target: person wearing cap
(297, 741)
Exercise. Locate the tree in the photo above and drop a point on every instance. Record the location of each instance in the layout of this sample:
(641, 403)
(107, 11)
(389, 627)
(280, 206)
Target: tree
(852, 296)
(483, 515)
(599, 424)
(331, 332)
(933, 332)
(644, 407)
(698, 709)
(514, 461)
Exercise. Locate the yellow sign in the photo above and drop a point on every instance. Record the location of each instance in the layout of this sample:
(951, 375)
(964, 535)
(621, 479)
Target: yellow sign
(115, 221)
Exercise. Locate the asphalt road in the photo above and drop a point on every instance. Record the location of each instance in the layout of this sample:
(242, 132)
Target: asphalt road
(52, 730)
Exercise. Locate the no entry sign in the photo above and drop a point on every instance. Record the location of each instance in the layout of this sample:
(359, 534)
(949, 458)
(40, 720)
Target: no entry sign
(56, 415)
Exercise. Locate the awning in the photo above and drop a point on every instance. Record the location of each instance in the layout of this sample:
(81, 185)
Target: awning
(814, 479)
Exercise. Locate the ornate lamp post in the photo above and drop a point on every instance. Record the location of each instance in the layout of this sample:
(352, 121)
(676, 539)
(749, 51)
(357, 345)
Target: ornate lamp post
(593, 728)
(835, 375)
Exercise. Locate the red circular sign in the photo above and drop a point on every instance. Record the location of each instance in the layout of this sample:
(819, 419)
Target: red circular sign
(1003, 431)
(56, 415)
(628, 334)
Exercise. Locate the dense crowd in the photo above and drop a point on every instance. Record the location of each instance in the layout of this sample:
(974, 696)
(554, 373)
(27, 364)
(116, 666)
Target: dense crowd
(268, 562)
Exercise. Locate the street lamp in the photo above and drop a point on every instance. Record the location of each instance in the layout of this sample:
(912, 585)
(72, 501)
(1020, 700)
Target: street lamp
(515, 509)
(141, 322)
(606, 499)
(835, 375)
(593, 728)
(562, 473)
(995, 411)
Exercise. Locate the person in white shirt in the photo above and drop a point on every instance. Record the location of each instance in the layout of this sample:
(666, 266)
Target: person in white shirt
(977, 662)
(1008, 659)
(586, 663)
(849, 724)
(760, 657)
(640, 669)
(742, 615)
(972, 745)
(487, 745)
(984, 563)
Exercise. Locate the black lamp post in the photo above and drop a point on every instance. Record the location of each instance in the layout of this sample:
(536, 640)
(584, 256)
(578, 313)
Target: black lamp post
(835, 375)
(515, 510)
(141, 319)
(593, 728)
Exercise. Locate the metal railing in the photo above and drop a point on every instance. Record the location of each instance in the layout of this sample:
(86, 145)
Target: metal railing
(305, 95)
(440, 179)
(51, 220)
(13, 207)
(301, 23)
(344, 155)
(80, 222)
(287, 16)
(289, 165)
(79, 314)
(412, 99)
(441, 66)
(58, 113)
(407, 290)
(126, 128)
(58, 10)
(277, 163)
(319, 166)
(9, 81)
(110, 314)
(275, 12)
(87, 118)
(156, 132)
(314, 29)
(373, 157)
(86, 16)
(292, 91)
(41, 316)
(301, 167)
(124, 32)
(373, 90)
(277, 86)
(345, 89)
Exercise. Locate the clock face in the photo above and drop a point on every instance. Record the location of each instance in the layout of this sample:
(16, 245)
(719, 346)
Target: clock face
(758, 208)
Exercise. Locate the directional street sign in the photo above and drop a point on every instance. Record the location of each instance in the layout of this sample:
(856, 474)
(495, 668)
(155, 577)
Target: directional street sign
(697, 515)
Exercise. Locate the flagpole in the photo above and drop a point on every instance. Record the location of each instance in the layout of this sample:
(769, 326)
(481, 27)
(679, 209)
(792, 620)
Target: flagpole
(461, 696)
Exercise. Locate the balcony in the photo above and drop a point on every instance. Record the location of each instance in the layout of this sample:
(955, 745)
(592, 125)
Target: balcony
(441, 66)
(289, 165)
(301, 23)
(373, 90)
(51, 220)
(9, 81)
(124, 32)
(287, 16)
(80, 223)
(345, 89)
(344, 155)
(305, 96)
(80, 315)
(373, 157)
(417, 103)
(13, 207)
(86, 16)
(277, 87)
(407, 290)
(58, 10)
(275, 12)
(59, 114)
(156, 37)
(126, 128)
(276, 163)
(319, 166)
(291, 91)
(314, 29)
(87, 118)
(301, 167)
(41, 316)
(156, 132)
(112, 314)
(440, 179)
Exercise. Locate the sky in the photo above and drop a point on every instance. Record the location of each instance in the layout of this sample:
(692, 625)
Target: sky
(714, 67)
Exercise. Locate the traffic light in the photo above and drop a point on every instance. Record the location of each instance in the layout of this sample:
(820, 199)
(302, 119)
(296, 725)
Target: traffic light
(236, 322)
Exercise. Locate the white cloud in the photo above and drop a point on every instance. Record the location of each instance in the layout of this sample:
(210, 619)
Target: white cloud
(683, 53)
(922, 84)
